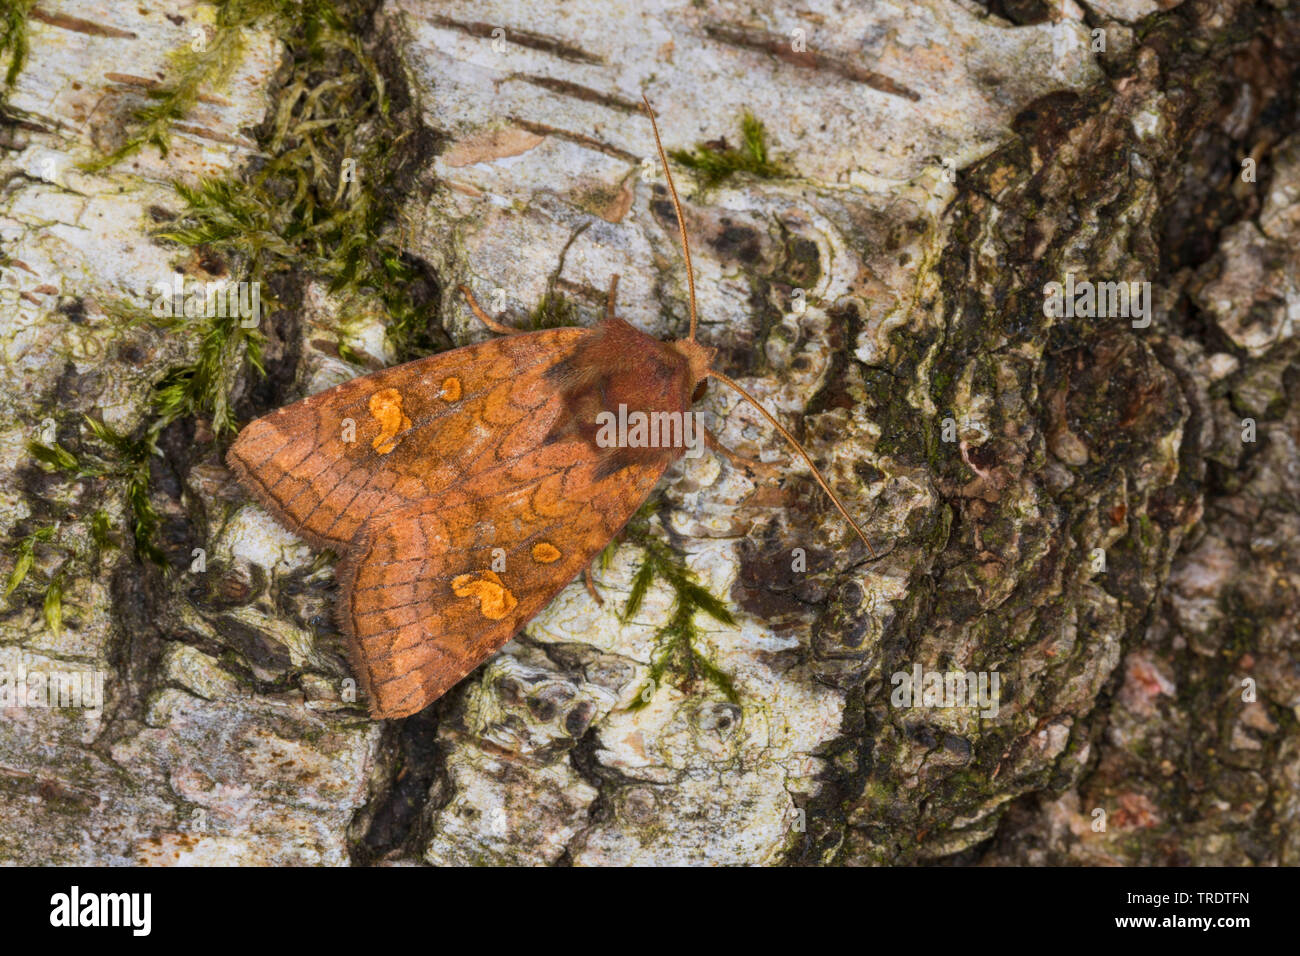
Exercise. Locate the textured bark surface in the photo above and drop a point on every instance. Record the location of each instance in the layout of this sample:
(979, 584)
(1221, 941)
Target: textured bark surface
(1104, 515)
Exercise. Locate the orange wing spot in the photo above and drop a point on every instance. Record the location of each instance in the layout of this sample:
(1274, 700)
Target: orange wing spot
(386, 406)
(450, 389)
(544, 552)
(494, 600)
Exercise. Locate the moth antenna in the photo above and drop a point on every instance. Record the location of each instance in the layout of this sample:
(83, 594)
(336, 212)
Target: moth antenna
(798, 448)
(483, 317)
(611, 297)
(677, 207)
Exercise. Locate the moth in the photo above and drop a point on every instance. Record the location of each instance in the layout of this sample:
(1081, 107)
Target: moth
(466, 489)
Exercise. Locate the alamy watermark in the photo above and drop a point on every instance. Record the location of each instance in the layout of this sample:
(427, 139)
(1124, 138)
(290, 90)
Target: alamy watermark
(25, 683)
(130, 910)
(639, 429)
(969, 689)
(221, 299)
(1100, 300)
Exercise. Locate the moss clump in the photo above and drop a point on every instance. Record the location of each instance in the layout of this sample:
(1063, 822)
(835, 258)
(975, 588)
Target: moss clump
(209, 66)
(554, 311)
(714, 162)
(205, 384)
(675, 651)
(122, 458)
(101, 530)
(327, 202)
(130, 463)
(25, 556)
(322, 199)
(13, 38)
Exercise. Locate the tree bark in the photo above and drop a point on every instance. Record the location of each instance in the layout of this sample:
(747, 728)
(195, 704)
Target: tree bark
(1094, 514)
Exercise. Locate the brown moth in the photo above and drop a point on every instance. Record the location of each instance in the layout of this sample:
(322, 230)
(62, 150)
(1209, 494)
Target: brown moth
(462, 459)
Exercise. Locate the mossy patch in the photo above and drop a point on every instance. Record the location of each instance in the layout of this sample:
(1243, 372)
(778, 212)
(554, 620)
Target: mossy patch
(119, 457)
(554, 311)
(676, 654)
(193, 70)
(13, 39)
(328, 202)
(340, 159)
(714, 162)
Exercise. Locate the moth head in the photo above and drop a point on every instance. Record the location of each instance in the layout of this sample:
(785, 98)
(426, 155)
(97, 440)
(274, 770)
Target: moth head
(698, 359)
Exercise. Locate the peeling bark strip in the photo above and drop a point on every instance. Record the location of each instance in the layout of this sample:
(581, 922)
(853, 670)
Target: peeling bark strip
(215, 136)
(541, 129)
(578, 91)
(780, 47)
(78, 25)
(144, 82)
(490, 145)
(534, 41)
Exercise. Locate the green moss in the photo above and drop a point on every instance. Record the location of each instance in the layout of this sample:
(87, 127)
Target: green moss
(328, 199)
(52, 606)
(101, 530)
(321, 200)
(715, 163)
(195, 70)
(675, 651)
(13, 37)
(1147, 532)
(25, 556)
(204, 385)
(122, 458)
(117, 458)
(554, 311)
(940, 385)
(676, 654)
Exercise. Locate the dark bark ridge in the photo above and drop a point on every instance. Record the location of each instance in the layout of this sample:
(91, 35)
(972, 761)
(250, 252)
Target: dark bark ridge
(1099, 435)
